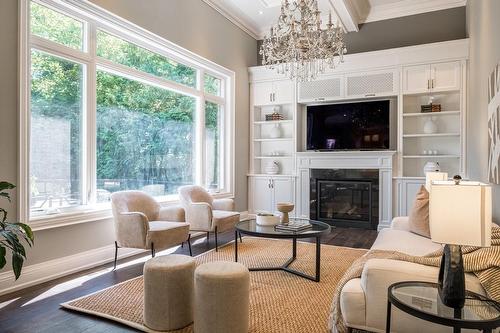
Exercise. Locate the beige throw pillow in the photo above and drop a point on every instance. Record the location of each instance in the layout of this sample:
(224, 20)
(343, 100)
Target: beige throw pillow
(419, 215)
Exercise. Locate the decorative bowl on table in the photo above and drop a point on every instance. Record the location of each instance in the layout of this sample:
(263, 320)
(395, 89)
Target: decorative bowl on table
(267, 219)
(285, 208)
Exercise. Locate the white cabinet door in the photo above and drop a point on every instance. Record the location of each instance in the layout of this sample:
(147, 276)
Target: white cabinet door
(284, 190)
(262, 93)
(416, 79)
(261, 194)
(408, 189)
(283, 92)
(445, 76)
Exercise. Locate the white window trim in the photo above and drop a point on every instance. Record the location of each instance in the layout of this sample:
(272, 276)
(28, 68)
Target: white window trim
(99, 18)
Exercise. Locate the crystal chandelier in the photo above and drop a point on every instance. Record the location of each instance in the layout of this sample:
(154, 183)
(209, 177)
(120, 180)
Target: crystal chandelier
(298, 46)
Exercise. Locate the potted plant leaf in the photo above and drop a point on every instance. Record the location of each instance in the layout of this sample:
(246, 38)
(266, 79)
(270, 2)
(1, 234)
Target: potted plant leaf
(12, 235)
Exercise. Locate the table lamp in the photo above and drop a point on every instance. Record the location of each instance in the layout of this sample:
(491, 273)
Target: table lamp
(459, 214)
(434, 176)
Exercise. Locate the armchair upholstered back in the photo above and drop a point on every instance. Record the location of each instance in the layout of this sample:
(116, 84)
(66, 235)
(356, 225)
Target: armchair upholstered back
(134, 201)
(193, 193)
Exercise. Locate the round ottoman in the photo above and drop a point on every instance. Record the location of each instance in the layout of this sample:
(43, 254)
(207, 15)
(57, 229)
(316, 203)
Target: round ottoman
(168, 292)
(221, 298)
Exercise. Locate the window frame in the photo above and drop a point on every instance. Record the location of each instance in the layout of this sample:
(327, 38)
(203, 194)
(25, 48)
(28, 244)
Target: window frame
(94, 18)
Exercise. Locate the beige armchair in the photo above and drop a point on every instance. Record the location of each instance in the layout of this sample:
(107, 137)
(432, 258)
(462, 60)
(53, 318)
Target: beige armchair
(141, 223)
(203, 213)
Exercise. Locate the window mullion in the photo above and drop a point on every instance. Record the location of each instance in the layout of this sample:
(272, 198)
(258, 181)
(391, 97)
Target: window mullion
(91, 141)
(200, 133)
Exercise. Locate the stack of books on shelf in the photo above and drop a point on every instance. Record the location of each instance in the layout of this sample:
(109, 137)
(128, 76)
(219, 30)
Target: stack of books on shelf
(294, 226)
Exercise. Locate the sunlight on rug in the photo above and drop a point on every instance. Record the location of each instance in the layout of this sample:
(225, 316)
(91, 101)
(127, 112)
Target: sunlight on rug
(279, 301)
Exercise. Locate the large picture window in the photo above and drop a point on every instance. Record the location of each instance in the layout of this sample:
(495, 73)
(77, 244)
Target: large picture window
(112, 108)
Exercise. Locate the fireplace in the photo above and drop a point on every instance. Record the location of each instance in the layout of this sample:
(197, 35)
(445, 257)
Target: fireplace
(345, 197)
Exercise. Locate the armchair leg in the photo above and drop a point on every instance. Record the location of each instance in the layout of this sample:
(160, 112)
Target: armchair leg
(182, 245)
(153, 250)
(241, 240)
(208, 236)
(116, 254)
(189, 245)
(216, 244)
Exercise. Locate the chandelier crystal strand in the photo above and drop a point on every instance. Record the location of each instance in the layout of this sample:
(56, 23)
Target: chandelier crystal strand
(298, 46)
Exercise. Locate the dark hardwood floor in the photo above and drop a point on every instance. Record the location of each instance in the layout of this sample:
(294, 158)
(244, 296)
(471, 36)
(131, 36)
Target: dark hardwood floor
(36, 309)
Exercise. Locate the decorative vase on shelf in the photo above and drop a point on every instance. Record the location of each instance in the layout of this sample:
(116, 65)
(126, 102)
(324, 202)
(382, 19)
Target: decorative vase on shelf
(275, 132)
(430, 126)
(272, 168)
(431, 167)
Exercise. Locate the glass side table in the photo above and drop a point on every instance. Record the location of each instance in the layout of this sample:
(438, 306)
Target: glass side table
(421, 300)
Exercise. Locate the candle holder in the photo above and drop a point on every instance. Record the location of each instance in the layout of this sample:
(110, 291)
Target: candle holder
(285, 208)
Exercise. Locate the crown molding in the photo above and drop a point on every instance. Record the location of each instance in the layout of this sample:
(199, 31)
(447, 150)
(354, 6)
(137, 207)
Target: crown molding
(239, 22)
(409, 7)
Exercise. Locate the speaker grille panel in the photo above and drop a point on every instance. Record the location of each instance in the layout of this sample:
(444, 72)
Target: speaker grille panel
(320, 89)
(372, 83)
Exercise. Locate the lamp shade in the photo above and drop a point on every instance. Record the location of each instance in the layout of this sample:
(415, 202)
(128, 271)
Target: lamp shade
(434, 176)
(460, 214)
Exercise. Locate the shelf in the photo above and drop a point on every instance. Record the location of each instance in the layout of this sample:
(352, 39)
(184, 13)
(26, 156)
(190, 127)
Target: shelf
(431, 156)
(432, 93)
(266, 175)
(435, 135)
(262, 122)
(431, 114)
(271, 140)
(272, 157)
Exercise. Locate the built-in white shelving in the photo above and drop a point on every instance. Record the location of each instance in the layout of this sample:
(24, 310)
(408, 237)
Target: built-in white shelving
(432, 114)
(430, 157)
(433, 135)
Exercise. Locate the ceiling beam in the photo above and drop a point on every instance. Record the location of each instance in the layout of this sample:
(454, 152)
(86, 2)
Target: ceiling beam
(348, 13)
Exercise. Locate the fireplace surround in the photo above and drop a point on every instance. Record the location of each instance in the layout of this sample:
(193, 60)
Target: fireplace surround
(378, 162)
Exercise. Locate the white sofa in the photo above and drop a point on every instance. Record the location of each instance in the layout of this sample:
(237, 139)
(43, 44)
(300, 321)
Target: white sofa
(363, 300)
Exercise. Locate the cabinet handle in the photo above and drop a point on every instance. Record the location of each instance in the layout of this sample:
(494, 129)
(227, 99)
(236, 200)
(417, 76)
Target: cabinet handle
(269, 184)
(274, 97)
(320, 99)
(432, 83)
(428, 84)
(272, 183)
(270, 97)
(370, 95)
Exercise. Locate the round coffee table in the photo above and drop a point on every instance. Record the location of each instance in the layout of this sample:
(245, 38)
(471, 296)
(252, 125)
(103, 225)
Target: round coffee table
(250, 227)
(421, 300)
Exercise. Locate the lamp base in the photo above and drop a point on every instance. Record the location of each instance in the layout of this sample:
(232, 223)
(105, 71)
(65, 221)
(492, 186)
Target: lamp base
(452, 277)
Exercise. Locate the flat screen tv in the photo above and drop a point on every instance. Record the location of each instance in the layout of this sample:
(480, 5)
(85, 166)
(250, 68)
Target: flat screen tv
(349, 126)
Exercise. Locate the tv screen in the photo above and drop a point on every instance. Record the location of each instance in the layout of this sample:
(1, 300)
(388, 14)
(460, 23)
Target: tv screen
(349, 126)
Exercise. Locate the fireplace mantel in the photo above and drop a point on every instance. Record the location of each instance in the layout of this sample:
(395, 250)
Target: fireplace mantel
(380, 160)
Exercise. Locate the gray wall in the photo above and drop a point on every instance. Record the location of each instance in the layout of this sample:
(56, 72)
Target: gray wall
(423, 28)
(189, 23)
(483, 27)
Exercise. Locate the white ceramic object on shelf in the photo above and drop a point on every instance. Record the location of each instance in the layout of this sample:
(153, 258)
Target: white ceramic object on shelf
(272, 168)
(275, 132)
(430, 126)
(267, 219)
(431, 167)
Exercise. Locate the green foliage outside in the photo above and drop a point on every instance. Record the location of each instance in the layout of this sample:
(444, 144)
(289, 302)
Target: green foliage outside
(145, 134)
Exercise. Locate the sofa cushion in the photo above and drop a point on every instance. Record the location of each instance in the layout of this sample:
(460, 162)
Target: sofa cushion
(405, 242)
(419, 215)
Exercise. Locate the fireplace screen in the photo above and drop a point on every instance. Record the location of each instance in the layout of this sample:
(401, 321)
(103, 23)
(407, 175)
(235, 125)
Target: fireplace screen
(345, 197)
(344, 200)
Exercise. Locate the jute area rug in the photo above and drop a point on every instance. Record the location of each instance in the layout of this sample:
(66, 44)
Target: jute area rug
(279, 302)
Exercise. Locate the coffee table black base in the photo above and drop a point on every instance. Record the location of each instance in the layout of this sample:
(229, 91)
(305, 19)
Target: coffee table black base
(285, 267)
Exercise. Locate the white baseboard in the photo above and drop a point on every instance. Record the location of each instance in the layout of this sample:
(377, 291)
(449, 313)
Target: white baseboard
(56, 268)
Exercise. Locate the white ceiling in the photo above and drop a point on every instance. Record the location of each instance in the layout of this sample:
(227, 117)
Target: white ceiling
(257, 16)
